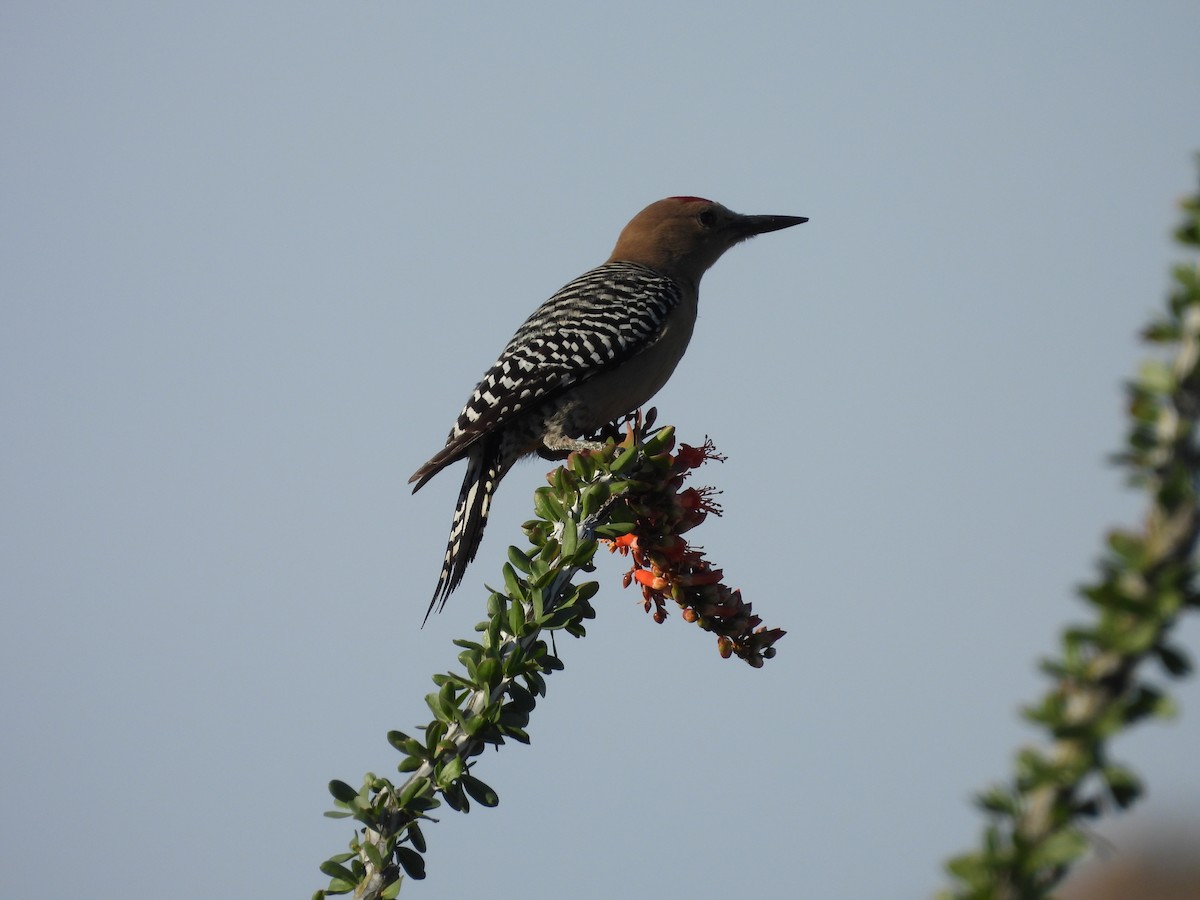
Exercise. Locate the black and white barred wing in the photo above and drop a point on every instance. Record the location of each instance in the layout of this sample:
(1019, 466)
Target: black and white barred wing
(595, 322)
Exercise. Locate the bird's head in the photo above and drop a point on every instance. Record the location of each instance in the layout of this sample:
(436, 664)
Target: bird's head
(684, 236)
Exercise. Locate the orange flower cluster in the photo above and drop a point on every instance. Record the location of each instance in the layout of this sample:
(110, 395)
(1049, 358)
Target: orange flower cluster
(666, 567)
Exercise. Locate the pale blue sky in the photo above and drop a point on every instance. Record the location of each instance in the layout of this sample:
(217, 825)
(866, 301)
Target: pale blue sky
(256, 255)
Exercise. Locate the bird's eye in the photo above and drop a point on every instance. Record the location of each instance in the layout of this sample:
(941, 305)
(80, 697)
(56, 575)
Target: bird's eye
(707, 218)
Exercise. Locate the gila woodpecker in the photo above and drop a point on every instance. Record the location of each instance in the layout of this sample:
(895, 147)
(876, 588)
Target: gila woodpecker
(598, 349)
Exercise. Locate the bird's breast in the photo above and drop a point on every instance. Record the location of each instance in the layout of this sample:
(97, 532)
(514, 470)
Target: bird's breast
(629, 385)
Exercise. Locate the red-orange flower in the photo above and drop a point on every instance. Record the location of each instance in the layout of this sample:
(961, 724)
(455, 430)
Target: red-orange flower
(666, 567)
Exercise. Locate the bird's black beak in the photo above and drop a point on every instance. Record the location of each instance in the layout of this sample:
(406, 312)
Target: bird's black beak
(752, 225)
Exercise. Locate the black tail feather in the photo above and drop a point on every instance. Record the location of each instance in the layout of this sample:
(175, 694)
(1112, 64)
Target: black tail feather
(485, 468)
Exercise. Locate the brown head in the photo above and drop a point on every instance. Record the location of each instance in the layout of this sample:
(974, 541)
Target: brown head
(683, 236)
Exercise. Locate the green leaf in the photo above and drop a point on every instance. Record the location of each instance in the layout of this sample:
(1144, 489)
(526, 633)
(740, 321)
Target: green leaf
(546, 505)
(562, 482)
(1165, 708)
(545, 558)
(624, 460)
(510, 718)
(455, 798)
(1129, 546)
(342, 791)
(451, 771)
(416, 836)
(516, 620)
(657, 442)
(1064, 846)
(520, 699)
(495, 624)
(536, 683)
(1123, 785)
(392, 891)
(584, 466)
(334, 870)
(536, 530)
(1144, 701)
(412, 790)
(585, 550)
(412, 862)
(513, 584)
(998, 800)
(399, 740)
(570, 539)
(450, 679)
(447, 696)
(480, 792)
(1155, 375)
(517, 734)
(614, 529)
(1161, 331)
(469, 659)
(1174, 659)
(518, 559)
(1048, 712)
(514, 663)
(1137, 639)
(434, 702)
(490, 672)
(434, 732)
(422, 805)
(594, 497)
(968, 868)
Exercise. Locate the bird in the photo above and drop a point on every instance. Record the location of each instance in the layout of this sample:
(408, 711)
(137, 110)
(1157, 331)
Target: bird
(597, 350)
